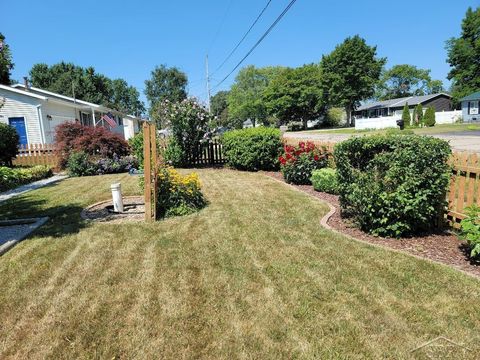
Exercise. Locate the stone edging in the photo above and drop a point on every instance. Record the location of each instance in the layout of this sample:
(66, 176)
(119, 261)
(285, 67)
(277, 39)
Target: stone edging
(324, 223)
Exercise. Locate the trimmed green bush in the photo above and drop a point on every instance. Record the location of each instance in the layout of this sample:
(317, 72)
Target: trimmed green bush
(12, 177)
(8, 144)
(253, 149)
(429, 117)
(325, 180)
(334, 117)
(136, 143)
(393, 185)
(406, 115)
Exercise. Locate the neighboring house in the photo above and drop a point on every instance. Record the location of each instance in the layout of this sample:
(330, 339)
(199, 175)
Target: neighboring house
(470, 107)
(393, 107)
(35, 113)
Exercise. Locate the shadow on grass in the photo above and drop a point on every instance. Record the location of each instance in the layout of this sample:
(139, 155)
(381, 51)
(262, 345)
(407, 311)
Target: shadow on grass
(64, 219)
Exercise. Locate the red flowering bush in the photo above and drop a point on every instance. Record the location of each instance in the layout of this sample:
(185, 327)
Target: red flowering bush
(75, 137)
(298, 162)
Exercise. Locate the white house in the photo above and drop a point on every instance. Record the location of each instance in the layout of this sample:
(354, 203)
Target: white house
(35, 113)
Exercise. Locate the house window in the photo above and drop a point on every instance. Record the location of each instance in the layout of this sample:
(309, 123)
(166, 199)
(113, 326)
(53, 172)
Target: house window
(119, 120)
(86, 119)
(473, 107)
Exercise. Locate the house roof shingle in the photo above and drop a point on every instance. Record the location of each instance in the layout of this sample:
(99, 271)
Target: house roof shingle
(399, 102)
(474, 96)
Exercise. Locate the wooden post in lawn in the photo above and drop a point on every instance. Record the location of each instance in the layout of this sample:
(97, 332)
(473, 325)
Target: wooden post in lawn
(153, 149)
(147, 184)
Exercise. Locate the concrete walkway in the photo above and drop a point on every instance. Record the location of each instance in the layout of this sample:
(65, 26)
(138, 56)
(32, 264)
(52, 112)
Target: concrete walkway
(32, 186)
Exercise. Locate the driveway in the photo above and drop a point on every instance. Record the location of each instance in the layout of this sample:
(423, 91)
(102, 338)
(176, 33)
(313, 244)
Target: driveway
(460, 141)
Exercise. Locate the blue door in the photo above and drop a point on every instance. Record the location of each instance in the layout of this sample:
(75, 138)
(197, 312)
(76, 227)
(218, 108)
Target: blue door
(19, 124)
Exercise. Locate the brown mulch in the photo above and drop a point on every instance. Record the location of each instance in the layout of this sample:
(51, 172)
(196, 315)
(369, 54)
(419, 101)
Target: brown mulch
(134, 210)
(444, 246)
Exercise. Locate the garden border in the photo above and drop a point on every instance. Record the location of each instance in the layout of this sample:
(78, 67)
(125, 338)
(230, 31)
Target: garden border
(324, 222)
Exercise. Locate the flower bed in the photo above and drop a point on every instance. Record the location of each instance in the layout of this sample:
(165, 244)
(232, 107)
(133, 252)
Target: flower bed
(12, 177)
(298, 162)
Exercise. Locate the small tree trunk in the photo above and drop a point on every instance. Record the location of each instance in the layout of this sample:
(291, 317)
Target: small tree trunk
(348, 110)
(305, 124)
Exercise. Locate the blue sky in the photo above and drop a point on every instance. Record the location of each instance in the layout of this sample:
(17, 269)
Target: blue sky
(127, 39)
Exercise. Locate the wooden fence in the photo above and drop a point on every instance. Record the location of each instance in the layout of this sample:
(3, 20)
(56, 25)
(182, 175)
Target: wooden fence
(464, 185)
(150, 163)
(209, 153)
(464, 189)
(36, 154)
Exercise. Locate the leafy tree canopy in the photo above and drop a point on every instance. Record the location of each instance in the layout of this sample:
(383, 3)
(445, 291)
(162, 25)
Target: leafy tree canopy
(245, 97)
(295, 94)
(406, 80)
(166, 84)
(350, 73)
(85, 84)
(464, 56)
(6, 63)
(219, 109)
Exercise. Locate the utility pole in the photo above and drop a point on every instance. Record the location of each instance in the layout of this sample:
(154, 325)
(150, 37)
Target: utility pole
(208, 83)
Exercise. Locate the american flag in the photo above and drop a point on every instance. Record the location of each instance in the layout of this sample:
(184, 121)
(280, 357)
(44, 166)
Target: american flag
(109, 119)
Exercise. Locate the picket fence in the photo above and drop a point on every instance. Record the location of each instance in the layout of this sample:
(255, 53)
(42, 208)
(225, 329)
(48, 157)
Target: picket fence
(36, 154)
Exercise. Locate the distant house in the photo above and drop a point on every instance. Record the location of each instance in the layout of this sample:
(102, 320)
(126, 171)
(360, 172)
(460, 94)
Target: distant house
(392, 107)
(470, 107)
(35, 113)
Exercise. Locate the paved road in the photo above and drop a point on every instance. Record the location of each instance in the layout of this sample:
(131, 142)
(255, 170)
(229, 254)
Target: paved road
(460, 141)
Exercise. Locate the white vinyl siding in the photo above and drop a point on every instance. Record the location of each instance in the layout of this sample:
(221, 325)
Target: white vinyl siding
(55, 114)
(18, 105)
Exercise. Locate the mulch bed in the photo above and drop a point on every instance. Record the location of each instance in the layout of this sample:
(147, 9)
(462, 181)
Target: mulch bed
(134, 210)
(444, 246)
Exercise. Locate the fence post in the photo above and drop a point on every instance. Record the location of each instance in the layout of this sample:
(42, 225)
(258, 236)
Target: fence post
(147, 184)
(153, 146)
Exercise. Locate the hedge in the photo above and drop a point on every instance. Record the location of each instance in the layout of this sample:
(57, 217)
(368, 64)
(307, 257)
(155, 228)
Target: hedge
(253, 149)
(12, 177)
(8, 144)
(393, 185)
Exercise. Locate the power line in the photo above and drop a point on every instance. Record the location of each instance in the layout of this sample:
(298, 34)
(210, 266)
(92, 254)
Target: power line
(220, 26)
(244, 36)
(258, 42)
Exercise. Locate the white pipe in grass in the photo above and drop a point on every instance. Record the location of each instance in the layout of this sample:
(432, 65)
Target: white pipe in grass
(117, 197)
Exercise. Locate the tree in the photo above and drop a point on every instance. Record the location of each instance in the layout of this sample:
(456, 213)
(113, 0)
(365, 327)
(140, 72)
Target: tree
(406, 80)
(85, 84)
(245, 97)
(166, 84)
(417, 118)
(350, 73)
(406, 115)
(6, 63)
(294, 94)
(219, 109)
(429, 117)
(464, 55)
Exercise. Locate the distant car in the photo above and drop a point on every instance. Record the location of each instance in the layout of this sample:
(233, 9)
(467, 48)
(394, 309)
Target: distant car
(220, 130)
(164, 133)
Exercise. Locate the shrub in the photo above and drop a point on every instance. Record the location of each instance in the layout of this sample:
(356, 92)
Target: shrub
(174, 154)
(334, 117)
(417, 118)
(83, 164)
(298, 162)
(8, 144)
(325, 180)
(136, 144)
(80, 164)
(188, 121)
(98, 141)
(470, 230)
(392, 185)
(13, 177)
(253, 149)
(178, 194)
(429, 117)
(406, 115)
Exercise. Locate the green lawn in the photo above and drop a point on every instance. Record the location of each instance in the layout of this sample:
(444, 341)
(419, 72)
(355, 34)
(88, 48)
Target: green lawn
(253, 275)
(437, 129)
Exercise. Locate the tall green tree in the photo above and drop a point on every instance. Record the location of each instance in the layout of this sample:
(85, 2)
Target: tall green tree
(406, 80)
(86, 84)
(219, 109)
(464, 55)
(406, 115)
(295, 94)
(245, 97)
(350, 73)
(166, 84)
(6, 62)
